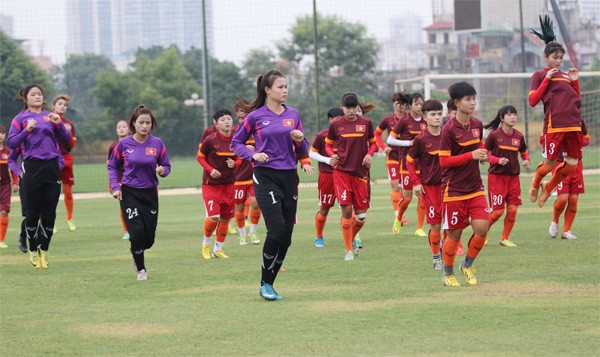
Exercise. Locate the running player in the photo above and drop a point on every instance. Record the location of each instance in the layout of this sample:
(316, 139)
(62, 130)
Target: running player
(122, 132)
(5, 187)
(60, 105)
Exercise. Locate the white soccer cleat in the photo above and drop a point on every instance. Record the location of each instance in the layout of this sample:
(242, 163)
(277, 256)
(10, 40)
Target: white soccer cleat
(553, 230)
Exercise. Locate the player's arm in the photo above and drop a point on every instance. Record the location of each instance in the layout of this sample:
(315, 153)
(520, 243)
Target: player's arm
(537, 88)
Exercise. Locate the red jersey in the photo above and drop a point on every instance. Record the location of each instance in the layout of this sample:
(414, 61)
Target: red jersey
(216, 149)
(318, 146)
(4, 170)
(65, 149)
(388, 123)
(407, 129)
(425, 150)
(501, 144)
(561, 98)
(352, 140)
(461, 182)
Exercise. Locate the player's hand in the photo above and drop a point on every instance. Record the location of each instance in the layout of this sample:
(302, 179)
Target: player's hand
(367, 161)
(418, 190)
(215, 174)
(479, 154)
(250, 147)
(573, 74)
(308, 168)
(526, 164)
(297, 135)
(160, 170)
(15, 188)
(334, 159)
(551, 72)
(387, 150)
(54, 118)
(31, 123)
(230, 163)
(117, 194)
(260, 157)
(68, 126)
(503, 161)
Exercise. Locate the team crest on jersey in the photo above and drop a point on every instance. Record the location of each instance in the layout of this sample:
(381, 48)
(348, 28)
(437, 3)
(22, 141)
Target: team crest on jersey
(151, 151)
(361, 128)
(516, 142)
(475, 132)
(4, 156)
(423, 127)
(288, 122)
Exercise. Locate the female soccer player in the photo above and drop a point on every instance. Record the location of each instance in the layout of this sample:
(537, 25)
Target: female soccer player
(461, 149)
(39, 132)
(277, 130)
(425, 150)
(5, 187)
(142, 156)
(559, 91)
(122, 132)
(354, 138)
(60, 105)
(504, 187)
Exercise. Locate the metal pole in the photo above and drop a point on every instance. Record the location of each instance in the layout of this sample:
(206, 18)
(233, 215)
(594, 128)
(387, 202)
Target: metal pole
(523, 69)
(205, 75)
(315, 53)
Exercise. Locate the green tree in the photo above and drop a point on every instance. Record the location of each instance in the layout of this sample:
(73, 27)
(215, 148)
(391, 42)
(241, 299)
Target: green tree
(17, 70)
(258, 61)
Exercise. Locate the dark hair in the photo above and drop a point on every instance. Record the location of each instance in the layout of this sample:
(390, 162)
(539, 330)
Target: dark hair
(350, 100)
(140, 110)
(366, 107)
(432, 104)
(401, 97)
(2, 129)
(495, 123)
(335, 112)
(219, 112)
(63, 96)
(547, 35)
(22, 94)
(240, 104)
(263, 81)
(450, 105)
(414, 97)
(460, 90)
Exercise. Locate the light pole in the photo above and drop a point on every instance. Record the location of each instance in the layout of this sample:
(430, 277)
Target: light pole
(195, 101)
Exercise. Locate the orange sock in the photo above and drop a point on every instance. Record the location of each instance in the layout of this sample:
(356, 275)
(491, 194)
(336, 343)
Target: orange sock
(68, 195)
(571, 212)
(402, 207)
(559, 207)
(255, 216)
(357, 226)
(396, 198)
(3, 227)
(420, 212)
(320, 221)
(561, 173)
(541, 171)
(449, 251)
(240, 219)
(247, 207)
(123, 221)
(222, 231)
(434, 242)
(475, 244)
(347, 233)
(509, 221)
(209, 227)
(495, 216)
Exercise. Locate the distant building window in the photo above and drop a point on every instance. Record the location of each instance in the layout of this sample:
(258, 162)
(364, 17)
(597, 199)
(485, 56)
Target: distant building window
(431, 62)
(446, 38)
(432, 38)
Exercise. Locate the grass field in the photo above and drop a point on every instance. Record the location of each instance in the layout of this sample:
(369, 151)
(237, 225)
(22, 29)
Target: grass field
(541, 298)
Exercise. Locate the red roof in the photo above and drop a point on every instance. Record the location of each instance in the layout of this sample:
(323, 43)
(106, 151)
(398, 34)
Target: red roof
(440, 26)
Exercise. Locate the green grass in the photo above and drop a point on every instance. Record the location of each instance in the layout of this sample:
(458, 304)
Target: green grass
(541, 298)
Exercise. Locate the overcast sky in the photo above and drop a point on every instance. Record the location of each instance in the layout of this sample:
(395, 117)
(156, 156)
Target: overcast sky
(238, 25)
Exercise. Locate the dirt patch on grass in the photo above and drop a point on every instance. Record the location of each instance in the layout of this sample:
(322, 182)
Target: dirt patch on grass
(124, 330)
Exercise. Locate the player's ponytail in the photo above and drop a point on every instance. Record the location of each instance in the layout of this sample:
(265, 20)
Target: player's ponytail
(547, 35)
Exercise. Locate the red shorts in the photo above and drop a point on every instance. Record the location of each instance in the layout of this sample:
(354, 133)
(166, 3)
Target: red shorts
(242, 192)
(326, 190)
(351, 190)
(66, 173)
(569, 143)
(573, 184)
(504, 190)
(406, 182)
(459, 214)
(218, 200)
(5, 192)
(433, 203)
(393, 171)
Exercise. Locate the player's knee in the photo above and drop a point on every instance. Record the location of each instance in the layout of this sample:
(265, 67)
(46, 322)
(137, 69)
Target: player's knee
(571, 160)
(361, 217)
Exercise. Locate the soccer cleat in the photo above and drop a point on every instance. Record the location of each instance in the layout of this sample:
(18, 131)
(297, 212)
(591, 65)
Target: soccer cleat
(397, 225)
(43, 259)
(126, 236)
(420, 233)
(319, 242)
(3, 245)
(533, 193)
(469, 273)
(568, 235)
(349, 256)
(142, 275)
(71, 225)
(543, 196)
(507, 243)
(23, 244)
(206, 251)
(553, 230)
(243, 241)
(358, 241)
(450, 280)
(355, 247)
(404, 221)
(33, 259)
(246, 224)
(254, 238)
(232, 229)
(267, 292)
(220, 254)
(438, 264)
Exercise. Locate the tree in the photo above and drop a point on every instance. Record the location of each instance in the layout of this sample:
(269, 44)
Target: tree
(258, 61)
(17, 70)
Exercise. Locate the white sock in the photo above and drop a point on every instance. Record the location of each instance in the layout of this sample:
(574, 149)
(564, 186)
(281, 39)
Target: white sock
(242, 231)
(206, 241)
(253, 228)
(218, 246)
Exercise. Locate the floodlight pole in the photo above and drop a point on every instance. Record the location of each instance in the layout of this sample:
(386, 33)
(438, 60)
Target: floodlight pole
(524, 69)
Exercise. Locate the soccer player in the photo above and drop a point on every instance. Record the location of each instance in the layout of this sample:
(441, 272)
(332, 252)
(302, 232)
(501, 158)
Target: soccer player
(461, 150)
(122, 132)
(354, 138)
(5, 187)
(218, 161)
(39, 132)
(402, 135)
(559, 91)
(450, 111)
(392, 160)
(142, 156)
(325, 182)
(60, 105)
(425, 150)
(504, 187)
(277, 131)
